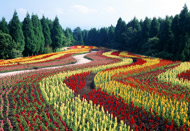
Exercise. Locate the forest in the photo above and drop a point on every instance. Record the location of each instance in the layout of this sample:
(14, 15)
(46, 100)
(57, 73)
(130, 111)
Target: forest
(167, 38)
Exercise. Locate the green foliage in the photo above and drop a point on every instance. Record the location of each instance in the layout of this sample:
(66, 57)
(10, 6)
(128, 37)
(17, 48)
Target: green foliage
(38, 34)
(46, 31)
(4, 26)
(30, 47)
(69, 40)
(48, 49)
(8, 47)
(77, 34)
(56, 35)
(15, 30)
(154, 28)
(119, 30)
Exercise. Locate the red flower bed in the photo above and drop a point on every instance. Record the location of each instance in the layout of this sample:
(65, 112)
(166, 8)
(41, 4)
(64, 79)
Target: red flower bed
(137, 118)
(184, 75)
(77, 81)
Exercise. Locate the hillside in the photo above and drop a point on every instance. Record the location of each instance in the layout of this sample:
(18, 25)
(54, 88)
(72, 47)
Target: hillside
(113, 90)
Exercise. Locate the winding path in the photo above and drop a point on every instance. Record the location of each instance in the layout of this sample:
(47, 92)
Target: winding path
(80, 60)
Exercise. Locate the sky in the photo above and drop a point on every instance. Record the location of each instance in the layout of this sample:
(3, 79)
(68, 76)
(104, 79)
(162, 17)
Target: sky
(88, 14)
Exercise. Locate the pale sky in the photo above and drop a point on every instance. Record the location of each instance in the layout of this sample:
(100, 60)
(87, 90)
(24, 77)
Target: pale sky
(92, 13)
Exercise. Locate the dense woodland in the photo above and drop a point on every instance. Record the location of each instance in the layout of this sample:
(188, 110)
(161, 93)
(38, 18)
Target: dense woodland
(167, 38)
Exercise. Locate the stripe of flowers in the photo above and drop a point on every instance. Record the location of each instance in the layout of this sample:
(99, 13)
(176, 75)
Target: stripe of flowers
(184, 75)
(137, 118)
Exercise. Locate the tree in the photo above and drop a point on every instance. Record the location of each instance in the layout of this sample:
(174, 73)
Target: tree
(30, 47)
(111, 31)
(77, 34)
(69, 36)
(146, 29)
(184, 43)
(92, 37)
(176, 39)
(154, 28)
(15, 30)
(131, 35)
(38, 34)
(149, 48)
(85, 36)
(56, 34)
(46, 31)
(166, 36)
(4, 26)
(7, 45)
(102, 37)
(119, 30)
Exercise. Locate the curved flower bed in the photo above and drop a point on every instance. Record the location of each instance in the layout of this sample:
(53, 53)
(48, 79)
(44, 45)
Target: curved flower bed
(128, 95)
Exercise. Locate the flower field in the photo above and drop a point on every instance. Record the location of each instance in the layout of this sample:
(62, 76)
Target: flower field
(116, 91)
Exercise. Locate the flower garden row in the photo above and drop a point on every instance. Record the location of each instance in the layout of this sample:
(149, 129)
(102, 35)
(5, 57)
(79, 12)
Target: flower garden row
(131, 92)
(39, 61)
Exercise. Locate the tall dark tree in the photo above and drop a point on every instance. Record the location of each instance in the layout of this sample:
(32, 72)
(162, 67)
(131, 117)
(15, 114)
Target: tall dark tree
(46, 31)
(4, 26)
(92, 36)
(15, 30)
(176, 39)
(30, 47)
(166, 36)
(146, 29)
(69, 37)
(154, 28)
(184, 46)
(132, 35)
(102, 37)
(38, 34)
(111, 33)
(119, 30)
(77, 34)
(85, 36)
(56, 35)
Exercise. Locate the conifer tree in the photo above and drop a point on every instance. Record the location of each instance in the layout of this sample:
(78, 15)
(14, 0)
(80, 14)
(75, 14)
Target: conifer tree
(15, 30)
(30, 47)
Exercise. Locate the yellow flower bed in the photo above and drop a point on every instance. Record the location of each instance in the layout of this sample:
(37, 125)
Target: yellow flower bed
(107, 75)
(26, 60)
(161, 104)
(76, 112)
(171, 75)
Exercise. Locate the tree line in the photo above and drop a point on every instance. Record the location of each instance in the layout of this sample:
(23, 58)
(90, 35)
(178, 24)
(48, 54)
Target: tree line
(167, 38)
(33, 36)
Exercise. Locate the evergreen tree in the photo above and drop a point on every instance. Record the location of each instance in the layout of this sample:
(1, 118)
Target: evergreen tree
(46, 31)
(154, 28)
(132, 35)
(176, 39)
(102, 37)
(15, 30)
(119, 30)
(111, 34)
(56, 35)
(38, 34)
(146, 29)
(30, 47)
(85, 36)
(92, 37)
(166, 36)
(145, 33)
(69, 36)
(77, 34)
(184, 44)
(4, 26)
